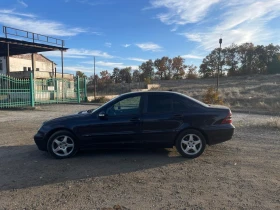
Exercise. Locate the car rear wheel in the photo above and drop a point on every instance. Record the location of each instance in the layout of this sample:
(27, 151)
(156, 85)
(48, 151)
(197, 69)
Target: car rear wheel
(190, 144)
(62, 144)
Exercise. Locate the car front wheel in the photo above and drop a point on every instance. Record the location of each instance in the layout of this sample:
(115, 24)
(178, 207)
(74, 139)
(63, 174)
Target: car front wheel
(62, 144)
(190, 143)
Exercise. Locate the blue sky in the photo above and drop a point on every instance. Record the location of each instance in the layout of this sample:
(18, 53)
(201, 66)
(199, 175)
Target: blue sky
(124, 33)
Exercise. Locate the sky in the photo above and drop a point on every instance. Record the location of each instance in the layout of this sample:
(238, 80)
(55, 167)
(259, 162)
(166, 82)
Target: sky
(121, 33)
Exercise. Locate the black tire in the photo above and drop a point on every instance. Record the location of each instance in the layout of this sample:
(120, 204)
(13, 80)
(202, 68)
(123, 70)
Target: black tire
(62, 144)
(190, 143)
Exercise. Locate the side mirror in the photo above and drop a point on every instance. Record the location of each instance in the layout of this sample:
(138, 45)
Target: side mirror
(102, 115)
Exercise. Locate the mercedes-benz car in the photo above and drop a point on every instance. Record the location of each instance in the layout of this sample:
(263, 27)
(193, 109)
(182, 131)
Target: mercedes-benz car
(139, 120)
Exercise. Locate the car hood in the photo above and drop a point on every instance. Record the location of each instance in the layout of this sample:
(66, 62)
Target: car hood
(67, 118)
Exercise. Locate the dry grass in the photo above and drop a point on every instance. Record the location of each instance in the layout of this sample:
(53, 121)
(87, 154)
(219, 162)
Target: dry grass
(273, 123)
(258, 92)
(268, 123)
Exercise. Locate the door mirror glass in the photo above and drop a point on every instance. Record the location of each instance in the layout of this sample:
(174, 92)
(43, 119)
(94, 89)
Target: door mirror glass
(102, 115)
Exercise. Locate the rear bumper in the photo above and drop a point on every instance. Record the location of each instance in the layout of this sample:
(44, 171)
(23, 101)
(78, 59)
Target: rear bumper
(40, 141)
(219, 134)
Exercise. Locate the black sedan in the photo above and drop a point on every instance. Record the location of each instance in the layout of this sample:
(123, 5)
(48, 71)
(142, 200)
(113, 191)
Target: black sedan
(139, 120)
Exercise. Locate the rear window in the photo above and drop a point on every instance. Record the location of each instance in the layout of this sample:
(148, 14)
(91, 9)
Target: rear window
(192, 101)
(159, 103)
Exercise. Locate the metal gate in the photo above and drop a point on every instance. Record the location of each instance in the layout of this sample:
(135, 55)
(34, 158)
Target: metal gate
(29, 92)
(14, 92)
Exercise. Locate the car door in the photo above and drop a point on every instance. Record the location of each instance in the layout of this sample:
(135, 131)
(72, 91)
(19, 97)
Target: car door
(120, 126)
(160, 122)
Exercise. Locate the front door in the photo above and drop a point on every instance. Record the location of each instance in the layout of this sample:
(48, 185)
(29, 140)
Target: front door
(120, 127)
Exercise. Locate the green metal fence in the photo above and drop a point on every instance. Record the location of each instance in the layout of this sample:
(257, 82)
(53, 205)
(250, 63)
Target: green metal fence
(14, 92)
(30, 92)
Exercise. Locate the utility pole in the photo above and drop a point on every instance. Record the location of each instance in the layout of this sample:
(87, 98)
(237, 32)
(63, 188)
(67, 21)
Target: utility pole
(219, 63)
(94, 81)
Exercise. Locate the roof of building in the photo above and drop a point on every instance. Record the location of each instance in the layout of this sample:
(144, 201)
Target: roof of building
(18, 47)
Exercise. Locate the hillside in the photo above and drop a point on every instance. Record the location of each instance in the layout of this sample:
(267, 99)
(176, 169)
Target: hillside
(258, 92)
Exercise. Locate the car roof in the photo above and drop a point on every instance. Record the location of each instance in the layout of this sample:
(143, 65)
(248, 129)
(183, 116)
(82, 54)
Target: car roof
(165, 92)
(151, 92)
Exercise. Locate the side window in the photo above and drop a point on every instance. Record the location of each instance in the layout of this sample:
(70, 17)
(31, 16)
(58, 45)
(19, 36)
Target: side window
(180, 105)
(1, 65)
(126, 106)
(159, 104)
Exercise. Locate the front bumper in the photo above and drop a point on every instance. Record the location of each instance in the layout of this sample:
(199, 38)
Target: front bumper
(40, 141)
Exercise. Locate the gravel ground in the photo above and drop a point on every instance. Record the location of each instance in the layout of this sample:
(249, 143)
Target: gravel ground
(239, 174)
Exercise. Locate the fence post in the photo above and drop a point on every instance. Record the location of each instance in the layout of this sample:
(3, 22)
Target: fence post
(78, 90)
(32, 101)
(85, 89)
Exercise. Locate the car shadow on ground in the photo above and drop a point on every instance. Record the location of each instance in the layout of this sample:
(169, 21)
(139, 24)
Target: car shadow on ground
(26, 166)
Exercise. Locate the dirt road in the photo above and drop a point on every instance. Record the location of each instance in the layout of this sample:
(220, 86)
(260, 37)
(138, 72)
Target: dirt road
(239, 174)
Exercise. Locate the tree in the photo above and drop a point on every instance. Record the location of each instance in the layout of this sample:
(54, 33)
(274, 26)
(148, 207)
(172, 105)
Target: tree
(125, 75)
(274, 65)
(147, 69)
(116, 75)
(209, 65)
(90, 83)
(231, 59)
(160, 65)
(136, 76)
(105, 77)
(191, 72)
(178, 67)
(247, 58)
(80, 74)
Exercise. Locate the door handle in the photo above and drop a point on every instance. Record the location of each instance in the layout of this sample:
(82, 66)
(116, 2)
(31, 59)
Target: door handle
(178, 116)
(135, 119)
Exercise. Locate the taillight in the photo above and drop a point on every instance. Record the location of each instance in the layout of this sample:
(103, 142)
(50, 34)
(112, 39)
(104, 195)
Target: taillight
(228, 119)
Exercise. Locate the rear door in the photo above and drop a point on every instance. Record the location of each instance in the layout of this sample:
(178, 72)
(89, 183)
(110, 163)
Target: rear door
(160, 121)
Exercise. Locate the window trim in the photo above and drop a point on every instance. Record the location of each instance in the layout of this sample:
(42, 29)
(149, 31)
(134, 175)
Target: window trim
(123, 98)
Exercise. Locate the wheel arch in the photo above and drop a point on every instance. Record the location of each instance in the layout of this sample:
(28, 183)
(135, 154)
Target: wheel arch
(50, 133)
(191, 128)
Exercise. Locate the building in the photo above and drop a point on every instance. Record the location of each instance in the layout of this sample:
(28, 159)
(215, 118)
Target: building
(21, 67)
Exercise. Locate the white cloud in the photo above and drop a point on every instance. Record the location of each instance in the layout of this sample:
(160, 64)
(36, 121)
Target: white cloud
(181, 12)
(28, 22)
(108, 44)
(111, 65)
(137, 59)
(12, 12)
(94, 3)
(246, 21)
(192, 37)
(79, 68)
(192, 56)
(249, 12)
(236, 21)
(174, 29)
(22, 3)
(126, 45)
(149, 46)
(97, 33)
(79, 53)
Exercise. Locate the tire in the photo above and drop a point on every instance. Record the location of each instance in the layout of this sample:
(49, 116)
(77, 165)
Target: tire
(62, 144)
(190, 144)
